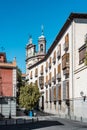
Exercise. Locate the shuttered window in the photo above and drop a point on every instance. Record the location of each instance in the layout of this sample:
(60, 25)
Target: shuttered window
(46, 78)
(50, 60)
(54, 93)
(55, 72)
(50, 95)
(31, 74)
(46, 95)
(59, 68)
(65, 60)
(82, 51)
(55, 55)
(42, 68)
(59, 92)
(65, 90)
(50, 76)
(67, 39)
(36, 72)
(67, 85)
(46, 64)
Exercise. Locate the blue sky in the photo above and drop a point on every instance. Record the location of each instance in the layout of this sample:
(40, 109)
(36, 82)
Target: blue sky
(21, 18)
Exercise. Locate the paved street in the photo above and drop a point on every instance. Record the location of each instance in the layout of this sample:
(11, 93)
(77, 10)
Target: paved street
(45, 123)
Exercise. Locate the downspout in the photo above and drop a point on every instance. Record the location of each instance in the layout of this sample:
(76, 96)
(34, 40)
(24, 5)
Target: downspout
(72, 69)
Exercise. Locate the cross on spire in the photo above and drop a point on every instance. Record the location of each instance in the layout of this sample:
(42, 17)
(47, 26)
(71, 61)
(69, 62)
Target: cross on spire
(42, 29)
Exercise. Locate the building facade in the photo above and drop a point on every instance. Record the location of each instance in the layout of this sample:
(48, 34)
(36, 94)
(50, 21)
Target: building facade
(7, 86)
(61, 74)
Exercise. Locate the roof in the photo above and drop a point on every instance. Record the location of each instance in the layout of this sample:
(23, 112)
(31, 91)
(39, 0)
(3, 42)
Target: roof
(60, 34)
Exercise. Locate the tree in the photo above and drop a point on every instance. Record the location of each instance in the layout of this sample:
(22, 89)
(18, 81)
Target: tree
(29, 96)
(19, 77)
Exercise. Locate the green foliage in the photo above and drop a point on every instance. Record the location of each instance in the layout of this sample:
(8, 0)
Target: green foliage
(29, 96)
(19, 73)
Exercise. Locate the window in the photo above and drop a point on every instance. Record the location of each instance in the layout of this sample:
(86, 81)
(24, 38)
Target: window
(65, 89)
(46, 95)
(66, 44)
(41, 47)
(59, 92)
(54, 93)
(82, 51)
(59, 52)
(54, 57)
(31, 75)
(36, 72)
(65, 60)
(41, 70)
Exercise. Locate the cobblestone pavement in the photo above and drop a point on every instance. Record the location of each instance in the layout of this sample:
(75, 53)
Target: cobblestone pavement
(42, 123)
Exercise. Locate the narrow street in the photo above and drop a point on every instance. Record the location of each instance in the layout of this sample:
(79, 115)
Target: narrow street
(43, 123)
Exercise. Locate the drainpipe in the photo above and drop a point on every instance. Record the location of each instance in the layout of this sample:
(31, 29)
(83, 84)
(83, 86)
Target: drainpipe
(72, 67)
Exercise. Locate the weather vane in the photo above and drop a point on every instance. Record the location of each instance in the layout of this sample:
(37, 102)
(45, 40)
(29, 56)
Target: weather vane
(42, 29)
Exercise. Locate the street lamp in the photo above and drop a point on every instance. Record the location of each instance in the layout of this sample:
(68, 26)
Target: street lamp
(84, 96)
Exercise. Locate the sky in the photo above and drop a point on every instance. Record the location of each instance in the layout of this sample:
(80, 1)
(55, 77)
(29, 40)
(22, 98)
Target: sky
(21, 18)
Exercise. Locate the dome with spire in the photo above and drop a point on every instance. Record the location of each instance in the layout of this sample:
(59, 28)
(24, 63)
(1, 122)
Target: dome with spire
(42, 33)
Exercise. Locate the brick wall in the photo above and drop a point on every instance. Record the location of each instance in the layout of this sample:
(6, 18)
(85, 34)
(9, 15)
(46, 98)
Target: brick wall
(6, 83)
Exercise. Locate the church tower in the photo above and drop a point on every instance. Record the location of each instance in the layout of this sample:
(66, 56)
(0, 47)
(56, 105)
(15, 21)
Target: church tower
(42, 43)
(30, 49)
(30, 54)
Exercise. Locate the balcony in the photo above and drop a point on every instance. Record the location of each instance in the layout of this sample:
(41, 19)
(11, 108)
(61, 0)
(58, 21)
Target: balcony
(65, 65)
(49, 82)
(66, 46)
(30, 77)
(41, 72)
(36, 74)
(66, 71)
(46, 84)
(58, 54)
(58, 76)
(41, 86)
(41, 82)
(54, 60)
(54, 79)
(65, 61)
(46, 69)
(50, 65)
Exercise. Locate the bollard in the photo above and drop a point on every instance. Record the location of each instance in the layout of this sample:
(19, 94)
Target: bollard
(24, 121)
(32, 120)
(6, 122)
(16, 121)
(37, 119)
(81, 118)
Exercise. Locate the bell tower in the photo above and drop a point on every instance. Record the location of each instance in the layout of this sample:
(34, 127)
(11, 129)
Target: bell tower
(42, 42)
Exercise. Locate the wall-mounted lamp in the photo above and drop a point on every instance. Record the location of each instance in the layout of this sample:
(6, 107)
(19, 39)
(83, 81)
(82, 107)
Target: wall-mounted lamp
(84, 96)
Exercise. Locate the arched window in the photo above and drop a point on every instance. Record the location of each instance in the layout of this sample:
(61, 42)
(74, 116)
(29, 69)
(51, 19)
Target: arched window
(41, 47)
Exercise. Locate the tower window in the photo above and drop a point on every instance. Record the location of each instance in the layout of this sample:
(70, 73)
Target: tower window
(41, 47)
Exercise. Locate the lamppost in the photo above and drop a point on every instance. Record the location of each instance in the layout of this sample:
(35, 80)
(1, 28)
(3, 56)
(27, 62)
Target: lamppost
(84, 96)
(9, 107)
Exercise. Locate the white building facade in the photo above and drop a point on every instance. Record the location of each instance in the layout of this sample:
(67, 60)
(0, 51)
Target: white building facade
(61, 74)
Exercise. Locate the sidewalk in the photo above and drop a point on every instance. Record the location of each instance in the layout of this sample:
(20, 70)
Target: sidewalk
(18, 120)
